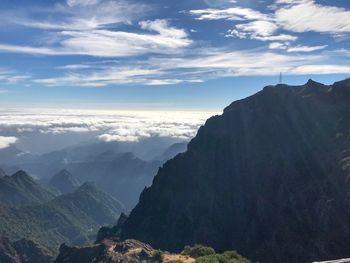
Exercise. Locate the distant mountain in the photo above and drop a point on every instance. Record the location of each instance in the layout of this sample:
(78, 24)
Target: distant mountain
(172, 151)
(2, 173)
(268, 178)
(124, 176)
(21, 189)
(45, 165)
(114, 169)
(72, 218)
(22, 251)
(64, 182)
(9, 155)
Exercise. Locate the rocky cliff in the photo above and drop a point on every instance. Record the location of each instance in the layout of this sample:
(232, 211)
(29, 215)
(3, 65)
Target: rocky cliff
(268, 178)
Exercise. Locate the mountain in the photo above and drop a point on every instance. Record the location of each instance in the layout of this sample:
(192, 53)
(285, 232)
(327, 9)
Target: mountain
(122, 175)
(2, 173)
(268, 178)
(172, 151)
(72, 218)
(21, 189)
(64, 182)
(22, 251)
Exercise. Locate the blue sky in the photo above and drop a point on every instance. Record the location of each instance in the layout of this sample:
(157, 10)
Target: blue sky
(184, 54)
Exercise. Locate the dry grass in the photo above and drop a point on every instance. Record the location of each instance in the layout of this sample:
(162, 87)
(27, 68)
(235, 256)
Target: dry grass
(173, 257)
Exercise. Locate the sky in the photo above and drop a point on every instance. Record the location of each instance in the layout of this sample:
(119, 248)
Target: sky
(162, 56)
(184, 54)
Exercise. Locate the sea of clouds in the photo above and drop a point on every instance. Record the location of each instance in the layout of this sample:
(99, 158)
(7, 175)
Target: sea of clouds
(39, 131)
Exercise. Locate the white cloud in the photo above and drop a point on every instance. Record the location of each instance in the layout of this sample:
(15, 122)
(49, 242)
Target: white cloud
(77, 15)
(299, 48)
(107, 43)
(321, 69)
(162, 27)
(295, 16)
(307, 15)
(90, 28)
(82, 2)
(277, 45)
(106, 125)
(7, 141)
(234, 13)
(306, 48)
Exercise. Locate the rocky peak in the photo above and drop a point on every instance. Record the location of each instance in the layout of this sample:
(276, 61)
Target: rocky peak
(64, 182)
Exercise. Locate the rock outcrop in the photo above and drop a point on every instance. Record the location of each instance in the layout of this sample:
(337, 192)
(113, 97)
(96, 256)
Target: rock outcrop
(111, 251)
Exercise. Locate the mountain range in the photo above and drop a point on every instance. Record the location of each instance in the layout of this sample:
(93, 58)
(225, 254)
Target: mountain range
(21, 189)
(114, 170)
(72, 218)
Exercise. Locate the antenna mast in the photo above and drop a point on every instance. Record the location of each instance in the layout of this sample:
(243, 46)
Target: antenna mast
(280, 79)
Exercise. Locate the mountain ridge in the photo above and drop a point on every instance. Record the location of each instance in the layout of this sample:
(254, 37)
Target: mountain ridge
(21, 189)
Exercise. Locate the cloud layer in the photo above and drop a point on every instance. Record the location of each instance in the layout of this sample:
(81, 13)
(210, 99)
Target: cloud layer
(7, 141)
(103, 125)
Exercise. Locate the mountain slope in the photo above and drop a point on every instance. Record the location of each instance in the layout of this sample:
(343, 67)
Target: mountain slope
(268, 178)
(73, 218)
(22, 251)
(172, 151)
(2, 173)
(64, 182)
(21, 189)
(123, 176)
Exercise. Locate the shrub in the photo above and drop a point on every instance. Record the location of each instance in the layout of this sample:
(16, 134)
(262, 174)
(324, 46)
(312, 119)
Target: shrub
(198, 251)
(157, 256)
(227, 257)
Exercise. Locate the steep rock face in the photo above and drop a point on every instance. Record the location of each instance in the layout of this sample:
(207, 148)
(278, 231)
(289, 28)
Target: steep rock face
(22, 251)
(268, 178)
(21, 189)
(64, 182)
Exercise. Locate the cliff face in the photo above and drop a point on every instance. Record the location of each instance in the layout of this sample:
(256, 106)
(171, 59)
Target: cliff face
(268, 178)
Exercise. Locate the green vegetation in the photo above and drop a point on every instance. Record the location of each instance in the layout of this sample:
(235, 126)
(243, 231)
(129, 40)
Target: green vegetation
(158, 256)
(72, 219)
(175, 261)
(198, 251)
(204, 254)
(227, 257)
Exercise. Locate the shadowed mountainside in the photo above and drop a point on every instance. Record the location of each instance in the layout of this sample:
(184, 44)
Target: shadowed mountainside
(21, 189)
(22, 251)
(64, 182)
(72, 218)
(268, 178)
